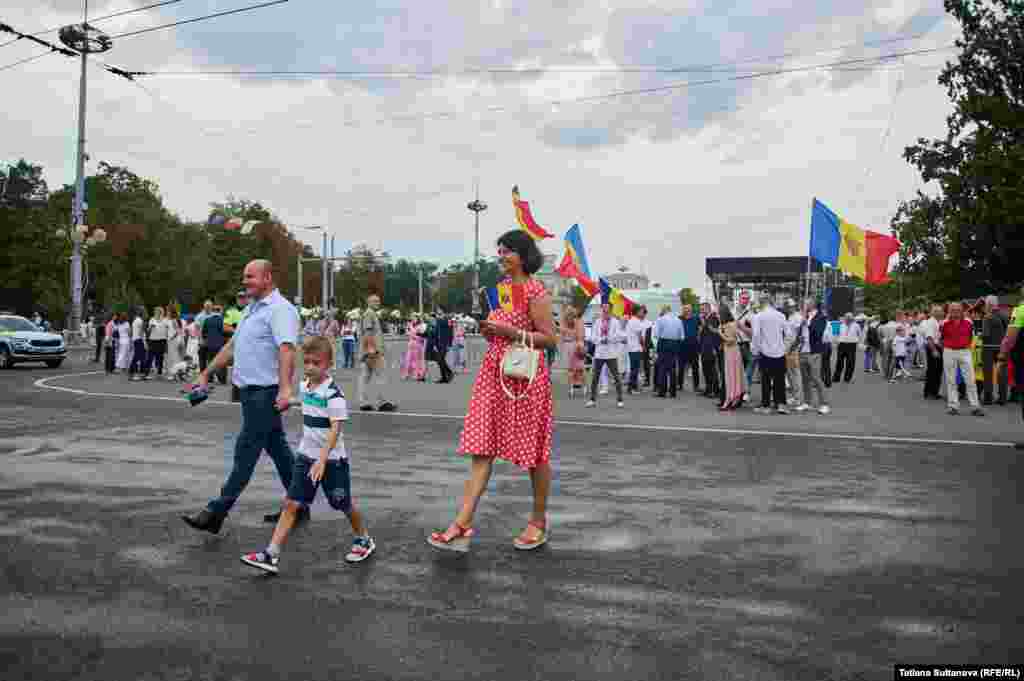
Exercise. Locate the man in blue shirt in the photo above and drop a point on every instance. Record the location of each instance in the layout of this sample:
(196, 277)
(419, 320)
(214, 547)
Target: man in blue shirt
(669, 330)
(263, 349)
(690, 353)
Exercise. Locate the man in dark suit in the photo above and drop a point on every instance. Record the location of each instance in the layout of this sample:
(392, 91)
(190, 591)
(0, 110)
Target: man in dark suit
(439, 341)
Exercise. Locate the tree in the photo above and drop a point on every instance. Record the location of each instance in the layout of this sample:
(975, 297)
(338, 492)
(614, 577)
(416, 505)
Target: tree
(688, 297)
(580, 299)
(979, 166)
(33, 258)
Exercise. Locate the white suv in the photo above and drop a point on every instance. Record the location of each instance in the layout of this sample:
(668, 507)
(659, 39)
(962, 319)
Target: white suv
(23, 341)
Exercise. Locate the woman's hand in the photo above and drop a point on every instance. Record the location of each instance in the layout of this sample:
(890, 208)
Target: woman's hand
(498, 329)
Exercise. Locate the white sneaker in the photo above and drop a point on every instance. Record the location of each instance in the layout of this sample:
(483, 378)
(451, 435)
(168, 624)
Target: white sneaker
(746, 397)
(781, 410)
(602, 391)
(792, 401)
(620, 405)
(825, 409)
(762, 410)
(803, 407)
(591, 403)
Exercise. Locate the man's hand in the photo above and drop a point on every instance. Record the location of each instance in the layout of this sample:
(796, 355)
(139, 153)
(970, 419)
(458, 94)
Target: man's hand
(316, 473)
(284, 398)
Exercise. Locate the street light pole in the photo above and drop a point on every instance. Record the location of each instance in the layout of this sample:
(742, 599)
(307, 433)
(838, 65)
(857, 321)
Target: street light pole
(324, 283)
(85, 40)
(420, 269)
(477, 206)
(300, 261)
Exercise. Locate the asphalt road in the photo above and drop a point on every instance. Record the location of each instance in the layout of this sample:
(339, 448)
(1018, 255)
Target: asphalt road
(685, 544)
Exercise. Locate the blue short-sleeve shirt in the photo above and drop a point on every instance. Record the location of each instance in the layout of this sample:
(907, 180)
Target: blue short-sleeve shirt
(266, 325)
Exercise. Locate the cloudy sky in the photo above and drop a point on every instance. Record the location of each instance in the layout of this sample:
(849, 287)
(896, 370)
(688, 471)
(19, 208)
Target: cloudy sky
(530, 93)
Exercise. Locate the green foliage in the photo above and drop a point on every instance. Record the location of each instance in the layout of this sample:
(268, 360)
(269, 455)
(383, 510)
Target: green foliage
(688, 297)
(580, 299)
(974, 230)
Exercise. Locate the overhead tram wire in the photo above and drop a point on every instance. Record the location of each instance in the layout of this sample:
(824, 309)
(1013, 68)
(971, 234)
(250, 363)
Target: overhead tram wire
(26, 60)
(249, 8)
(432, 73)
(103, 18)
(842, 65)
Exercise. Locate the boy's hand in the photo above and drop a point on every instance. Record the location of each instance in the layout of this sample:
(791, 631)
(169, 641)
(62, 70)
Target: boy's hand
(316, 473)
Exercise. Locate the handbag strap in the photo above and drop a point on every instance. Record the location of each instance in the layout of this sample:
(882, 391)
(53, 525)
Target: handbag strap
(501, 374)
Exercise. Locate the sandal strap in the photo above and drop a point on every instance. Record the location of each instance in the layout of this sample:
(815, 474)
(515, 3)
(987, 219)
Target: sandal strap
(541, 525)
(460, 533)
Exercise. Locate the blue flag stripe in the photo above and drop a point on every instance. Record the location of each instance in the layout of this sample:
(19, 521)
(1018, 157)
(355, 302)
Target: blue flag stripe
(825, 235)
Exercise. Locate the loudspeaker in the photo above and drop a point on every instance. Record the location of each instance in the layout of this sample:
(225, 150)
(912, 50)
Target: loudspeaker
(839, 301)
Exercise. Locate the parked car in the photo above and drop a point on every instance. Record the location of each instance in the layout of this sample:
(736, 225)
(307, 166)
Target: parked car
(23, 341)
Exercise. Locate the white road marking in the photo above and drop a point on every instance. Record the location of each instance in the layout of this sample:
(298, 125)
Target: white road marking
(45, 384)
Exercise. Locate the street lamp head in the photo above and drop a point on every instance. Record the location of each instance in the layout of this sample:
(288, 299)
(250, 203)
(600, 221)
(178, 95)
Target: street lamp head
(477, 206)
(84, 38)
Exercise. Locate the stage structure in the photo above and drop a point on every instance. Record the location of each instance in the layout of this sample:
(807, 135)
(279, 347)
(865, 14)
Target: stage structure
(777, 278)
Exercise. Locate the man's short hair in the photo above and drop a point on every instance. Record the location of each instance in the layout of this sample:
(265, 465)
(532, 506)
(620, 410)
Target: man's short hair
(319, 345)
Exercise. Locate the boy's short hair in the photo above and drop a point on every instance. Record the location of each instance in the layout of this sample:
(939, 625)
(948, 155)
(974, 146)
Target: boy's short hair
(319, 345)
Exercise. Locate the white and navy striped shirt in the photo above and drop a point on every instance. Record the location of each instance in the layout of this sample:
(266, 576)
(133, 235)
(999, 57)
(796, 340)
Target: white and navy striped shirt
(320, 406)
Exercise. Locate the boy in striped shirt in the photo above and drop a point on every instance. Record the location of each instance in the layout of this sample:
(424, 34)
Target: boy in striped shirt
(322, 460)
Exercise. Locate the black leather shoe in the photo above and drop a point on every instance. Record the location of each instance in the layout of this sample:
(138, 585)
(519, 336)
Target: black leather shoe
(205, 520)
(301, 517)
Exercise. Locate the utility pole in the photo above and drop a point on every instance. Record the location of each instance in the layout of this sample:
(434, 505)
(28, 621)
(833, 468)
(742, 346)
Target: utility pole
(312, 228)
(85, 40)
(420, 269)
(325, 283)
(332, 296)
(477, 206)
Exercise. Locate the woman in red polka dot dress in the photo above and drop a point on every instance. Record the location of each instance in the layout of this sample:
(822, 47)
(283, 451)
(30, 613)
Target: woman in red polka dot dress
(497, 426)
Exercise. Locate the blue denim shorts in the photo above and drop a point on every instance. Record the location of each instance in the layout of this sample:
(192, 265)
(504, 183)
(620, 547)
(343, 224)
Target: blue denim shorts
(336, 483)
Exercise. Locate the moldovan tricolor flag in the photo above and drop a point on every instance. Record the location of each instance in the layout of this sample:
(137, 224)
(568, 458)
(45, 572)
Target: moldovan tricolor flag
(620, 305)
(525, 218)
(506, 296)
(856, 251)
(574, 263)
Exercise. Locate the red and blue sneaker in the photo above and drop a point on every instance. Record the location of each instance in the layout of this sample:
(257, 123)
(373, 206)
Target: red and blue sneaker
(361, 549)
(262, 560)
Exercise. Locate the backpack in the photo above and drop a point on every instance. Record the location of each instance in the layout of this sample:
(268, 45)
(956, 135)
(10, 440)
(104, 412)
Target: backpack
(874, 340)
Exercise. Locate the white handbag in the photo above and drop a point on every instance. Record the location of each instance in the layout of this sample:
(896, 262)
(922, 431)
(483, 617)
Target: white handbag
(522, 362)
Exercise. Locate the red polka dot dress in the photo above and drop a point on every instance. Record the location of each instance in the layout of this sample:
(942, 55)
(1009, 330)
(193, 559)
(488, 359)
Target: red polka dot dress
(498, 426)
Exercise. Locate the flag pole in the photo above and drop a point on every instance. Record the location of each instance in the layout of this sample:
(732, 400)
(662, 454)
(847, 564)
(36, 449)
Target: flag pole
(807, 284)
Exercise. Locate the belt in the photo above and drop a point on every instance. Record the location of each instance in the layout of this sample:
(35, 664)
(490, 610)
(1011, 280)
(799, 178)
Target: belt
(254, 388)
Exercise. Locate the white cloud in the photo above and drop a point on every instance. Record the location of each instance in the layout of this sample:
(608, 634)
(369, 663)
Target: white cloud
(657, 181)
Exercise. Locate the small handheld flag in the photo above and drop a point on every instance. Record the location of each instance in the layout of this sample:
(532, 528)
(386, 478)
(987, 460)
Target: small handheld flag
(506, 296)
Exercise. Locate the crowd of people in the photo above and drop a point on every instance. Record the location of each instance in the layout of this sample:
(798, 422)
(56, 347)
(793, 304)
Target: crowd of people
(795, 353)
(510, 411)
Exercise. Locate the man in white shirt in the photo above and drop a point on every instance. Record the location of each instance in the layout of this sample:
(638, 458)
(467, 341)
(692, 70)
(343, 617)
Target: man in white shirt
(137, 369)
(635, 330)
(815, 336)
(770, 332)
(846, 350)
(608, 338)
(928, 334)
(795, 324)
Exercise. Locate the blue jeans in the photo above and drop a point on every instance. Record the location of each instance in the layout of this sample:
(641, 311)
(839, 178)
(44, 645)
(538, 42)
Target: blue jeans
(348, 349)
(261, 429)
(636, 359)
(755, 360)
(870, 359)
